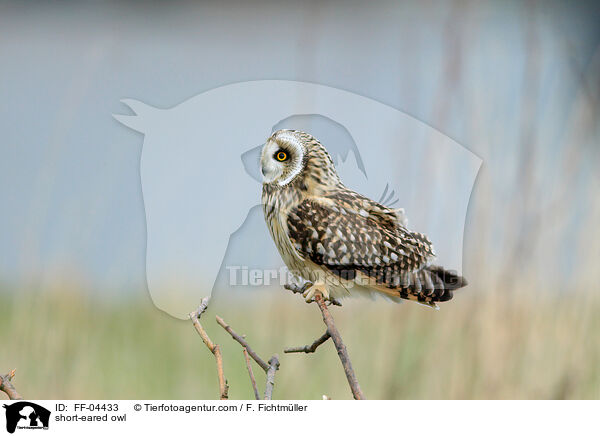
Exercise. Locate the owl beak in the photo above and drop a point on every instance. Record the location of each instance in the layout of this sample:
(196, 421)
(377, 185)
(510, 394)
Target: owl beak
(269, 173)
(269, 169)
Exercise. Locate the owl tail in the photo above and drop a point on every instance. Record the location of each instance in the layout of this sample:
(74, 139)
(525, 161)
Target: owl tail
(443, 283)
(428, 286)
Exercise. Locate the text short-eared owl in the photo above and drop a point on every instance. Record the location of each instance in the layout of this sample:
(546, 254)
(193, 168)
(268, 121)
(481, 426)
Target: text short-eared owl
(341, 241)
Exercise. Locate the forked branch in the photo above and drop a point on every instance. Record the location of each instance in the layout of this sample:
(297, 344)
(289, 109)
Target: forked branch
(243, 343)
(341, 348)
(270, 368)
(333, 333)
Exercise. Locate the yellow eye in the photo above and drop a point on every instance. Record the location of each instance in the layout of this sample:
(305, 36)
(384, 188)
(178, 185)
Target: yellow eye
(281, 156)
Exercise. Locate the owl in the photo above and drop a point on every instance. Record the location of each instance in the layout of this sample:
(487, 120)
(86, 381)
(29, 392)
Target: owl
(339, 241)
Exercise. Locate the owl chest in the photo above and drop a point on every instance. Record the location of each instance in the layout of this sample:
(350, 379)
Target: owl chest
(276, 207)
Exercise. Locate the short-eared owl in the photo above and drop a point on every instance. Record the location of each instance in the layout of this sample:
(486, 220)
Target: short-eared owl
(339, 240)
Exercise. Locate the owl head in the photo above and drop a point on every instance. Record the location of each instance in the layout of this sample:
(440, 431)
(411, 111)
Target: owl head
(290, 153)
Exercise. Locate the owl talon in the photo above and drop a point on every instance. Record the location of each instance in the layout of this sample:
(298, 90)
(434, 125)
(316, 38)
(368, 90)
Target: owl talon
(297, 289)
(309, 294)
(305, 286)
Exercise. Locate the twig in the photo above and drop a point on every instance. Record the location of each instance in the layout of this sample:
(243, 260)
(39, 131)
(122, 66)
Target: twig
(309, 348)
(251, 373)
(243, 343)
(340, 347)
(333, 333)
(269, 368)
(195, 317)
(273, 367)
(223, 386)
(7, 387)
(214, 348)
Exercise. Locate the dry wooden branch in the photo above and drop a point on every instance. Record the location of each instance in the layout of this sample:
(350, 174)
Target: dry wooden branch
(243, 343)
(7, 387)
(333, 333)
(223, 386)
(340, 347)
(251, 374)
(273, 367)
(309, 348)
(214, 348)
(269, 368)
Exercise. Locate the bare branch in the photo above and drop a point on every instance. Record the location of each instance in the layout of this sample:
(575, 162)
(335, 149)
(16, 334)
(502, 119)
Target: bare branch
(251, 373)
(195, 317)
(223, 386)
(214, 348)
(7, 387)
(340, 347)
(309, 348)
(243, 343)
(333, 333)
(273, 367)
(269, 368)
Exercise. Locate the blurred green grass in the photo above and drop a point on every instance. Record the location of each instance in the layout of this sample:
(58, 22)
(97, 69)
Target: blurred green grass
(67, 344)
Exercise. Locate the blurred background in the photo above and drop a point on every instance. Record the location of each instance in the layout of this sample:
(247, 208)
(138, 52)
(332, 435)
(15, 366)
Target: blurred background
(516, 83)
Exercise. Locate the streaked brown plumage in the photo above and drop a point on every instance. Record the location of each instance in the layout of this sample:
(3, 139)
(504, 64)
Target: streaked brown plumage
(337, 238)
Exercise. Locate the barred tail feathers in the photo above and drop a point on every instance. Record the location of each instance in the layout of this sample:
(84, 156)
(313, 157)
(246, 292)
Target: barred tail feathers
(427, 286)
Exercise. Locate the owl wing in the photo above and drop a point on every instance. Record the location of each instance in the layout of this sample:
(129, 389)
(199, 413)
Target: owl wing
(342, 234)
(352, 236)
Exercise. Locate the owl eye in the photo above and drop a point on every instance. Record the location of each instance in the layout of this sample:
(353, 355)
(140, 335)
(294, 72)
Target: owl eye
(281, 156)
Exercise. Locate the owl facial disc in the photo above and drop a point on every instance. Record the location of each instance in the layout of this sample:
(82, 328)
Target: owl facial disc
(282, 158)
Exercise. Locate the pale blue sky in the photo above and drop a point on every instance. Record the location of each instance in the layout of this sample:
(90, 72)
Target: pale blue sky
(501, 78)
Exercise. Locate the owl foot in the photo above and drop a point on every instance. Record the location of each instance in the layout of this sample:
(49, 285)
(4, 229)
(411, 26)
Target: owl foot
(308, 291)
(296, 288)
(309, 294)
